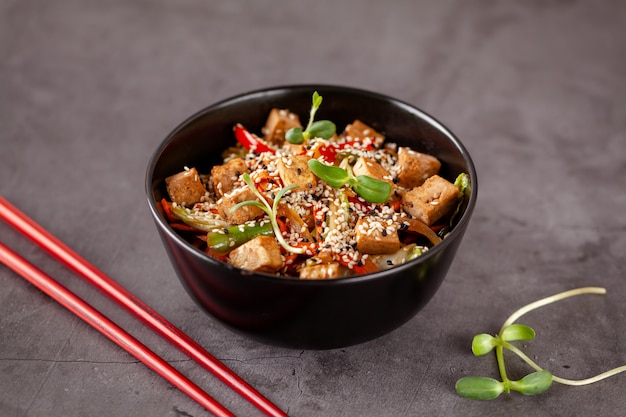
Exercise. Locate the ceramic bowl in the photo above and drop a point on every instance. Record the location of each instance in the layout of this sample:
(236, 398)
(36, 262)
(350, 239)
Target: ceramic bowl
(308, 314)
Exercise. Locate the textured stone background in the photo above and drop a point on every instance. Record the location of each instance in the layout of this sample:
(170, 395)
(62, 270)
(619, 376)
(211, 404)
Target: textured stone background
(535, 90)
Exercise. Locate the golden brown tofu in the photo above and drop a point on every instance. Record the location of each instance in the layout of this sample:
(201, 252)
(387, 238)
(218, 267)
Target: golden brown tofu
(261, 254)
(293, 170)
(242, 214)
(224, 177)
(415, 167)
(371, 168)
(278, 123)
(185, 188)
(432, 200)
(375, 236)
(358, 129)
(294, 149)
(322, 271)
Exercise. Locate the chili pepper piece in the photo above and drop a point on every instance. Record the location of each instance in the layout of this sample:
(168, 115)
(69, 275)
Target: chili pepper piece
(251, 141)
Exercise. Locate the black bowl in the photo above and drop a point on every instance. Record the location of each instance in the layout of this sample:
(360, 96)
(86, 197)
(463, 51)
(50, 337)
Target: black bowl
(304, 313)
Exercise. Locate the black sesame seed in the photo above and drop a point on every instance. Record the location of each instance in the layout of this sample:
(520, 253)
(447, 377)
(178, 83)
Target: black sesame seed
(384, 232)
(389, 262)
(299, 171)
(225, 231)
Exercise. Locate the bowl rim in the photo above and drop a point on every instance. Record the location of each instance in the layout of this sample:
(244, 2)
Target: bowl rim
(163, 225)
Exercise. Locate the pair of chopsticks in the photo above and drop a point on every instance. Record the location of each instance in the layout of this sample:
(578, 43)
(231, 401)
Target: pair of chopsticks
(28, 227)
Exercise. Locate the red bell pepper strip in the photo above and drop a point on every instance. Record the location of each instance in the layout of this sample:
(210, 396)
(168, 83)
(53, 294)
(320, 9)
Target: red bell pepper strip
(250, 141)
(168, 211)
(329, 152)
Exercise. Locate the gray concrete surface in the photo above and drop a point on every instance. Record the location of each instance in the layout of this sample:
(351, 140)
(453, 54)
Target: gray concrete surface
(535, 89)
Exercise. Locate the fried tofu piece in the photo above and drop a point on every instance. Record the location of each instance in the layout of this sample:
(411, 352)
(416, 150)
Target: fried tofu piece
(322, 271)
(242, 214)
(261, 254)
(375, 237)
(294, 149)
(224, 177)
(415, 167)
(185, 188)
(360, 130)
(278, 123)
(432, 200)
(294, 170)
(371, 168)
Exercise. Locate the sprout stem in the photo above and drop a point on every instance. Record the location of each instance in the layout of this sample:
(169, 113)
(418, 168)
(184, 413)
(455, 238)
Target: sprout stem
(564, 381)
(502, 368)
(549, 300)
(540, 303)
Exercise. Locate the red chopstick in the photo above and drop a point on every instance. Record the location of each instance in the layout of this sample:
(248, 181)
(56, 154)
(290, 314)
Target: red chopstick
(93, 317)
(28, 227)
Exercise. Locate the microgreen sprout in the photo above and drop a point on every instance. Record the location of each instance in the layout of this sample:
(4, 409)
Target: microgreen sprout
(366, 187)
(320, 129)
(270, 210)
(485, 388)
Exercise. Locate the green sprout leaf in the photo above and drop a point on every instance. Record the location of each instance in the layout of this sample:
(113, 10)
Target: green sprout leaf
(368, 188)
(371, 189)
(316, 101)
(532, 384)
(294, 135)
(479, 387)
(517, 332)
(320, 129)
(483, 343)
(334, 176)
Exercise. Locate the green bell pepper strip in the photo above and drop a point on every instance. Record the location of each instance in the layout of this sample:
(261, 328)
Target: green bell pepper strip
(223, 241)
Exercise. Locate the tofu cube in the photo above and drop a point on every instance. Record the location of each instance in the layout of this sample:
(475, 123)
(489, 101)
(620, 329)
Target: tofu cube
(261, 254)
(278, 123)
(371, 168)
(415, 167)
(185, 188)
(375, 236)
(293, 170)
(242, 214)
(322, 271)
(224, 177)
(360, 130)
(432, 200)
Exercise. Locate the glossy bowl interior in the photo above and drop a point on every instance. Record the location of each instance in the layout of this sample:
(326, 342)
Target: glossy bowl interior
(303, 313)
